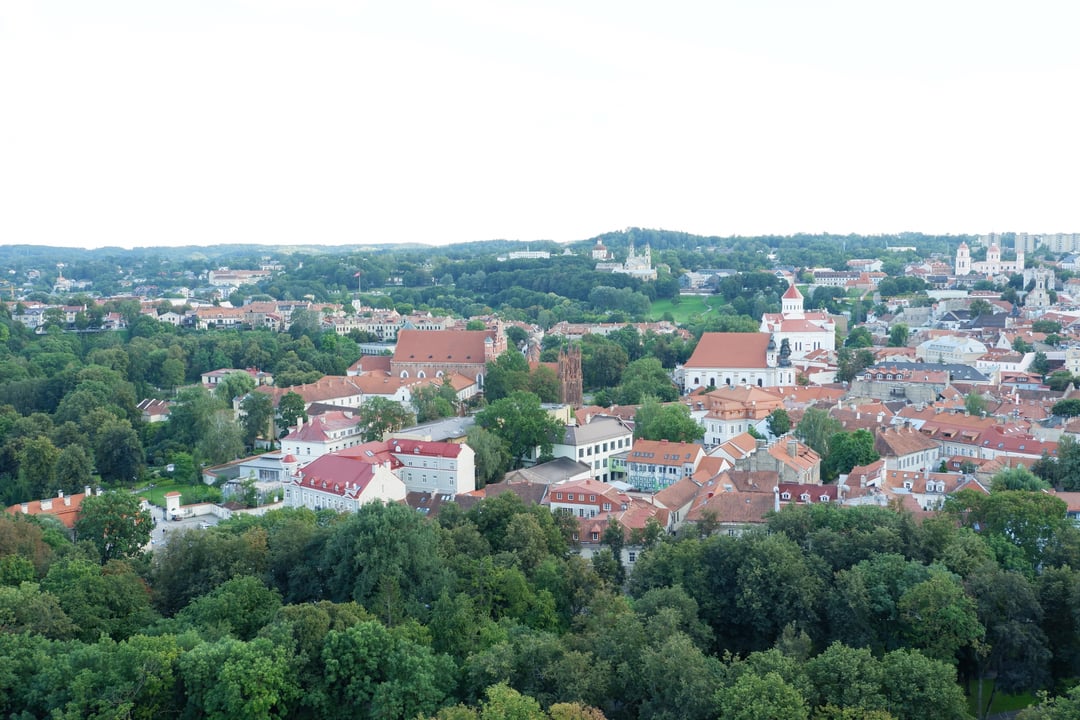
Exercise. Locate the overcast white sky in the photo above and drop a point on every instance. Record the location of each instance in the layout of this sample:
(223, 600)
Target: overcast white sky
(146, 122)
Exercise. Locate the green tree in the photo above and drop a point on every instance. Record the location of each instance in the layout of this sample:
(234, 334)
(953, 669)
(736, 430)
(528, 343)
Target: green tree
(234, 679)
(1027, 520)
(37, 468)
(118, 454)
(492, 455)
(111, 599)
(234, 385)
(1040, 364)
(115, 523)
(544, 384)
(898, 335)
(975, 403)
(380, 416)
(1017, 478)
(1067, 408)
(851, 362)
(859, 337)
(258, 411)
(779, 422)
(602, 363)
(432, 402)
(654, 421)
(754, 697)
(291, 409)
(1062, 707)
(644, 378)
(816, 428)
(74, 469)
(240, 607)
(938, 617)
(846, 450)
(506, 374)
(979, 307)
(521, 422)
(223, 440)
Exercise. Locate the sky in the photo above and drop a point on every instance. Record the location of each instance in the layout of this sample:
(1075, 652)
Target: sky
(140, 123)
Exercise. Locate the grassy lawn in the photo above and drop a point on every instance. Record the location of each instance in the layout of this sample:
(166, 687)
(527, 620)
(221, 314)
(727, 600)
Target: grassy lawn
(189, 493)
(687, 307)
(1002, 703)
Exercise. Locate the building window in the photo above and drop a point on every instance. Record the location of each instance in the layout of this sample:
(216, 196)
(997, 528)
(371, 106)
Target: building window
(595, 537)
(633, 556)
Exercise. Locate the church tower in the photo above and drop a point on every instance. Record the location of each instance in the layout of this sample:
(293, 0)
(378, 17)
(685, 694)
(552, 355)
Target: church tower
(570, 379)
(963, 259)
(791, 303)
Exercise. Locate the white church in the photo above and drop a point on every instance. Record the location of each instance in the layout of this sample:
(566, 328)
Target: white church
(804, 331)
(993, 265)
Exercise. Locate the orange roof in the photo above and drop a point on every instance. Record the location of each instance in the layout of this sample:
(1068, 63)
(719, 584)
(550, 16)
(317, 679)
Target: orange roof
(65, 509)
(730, 350)
(440, 346)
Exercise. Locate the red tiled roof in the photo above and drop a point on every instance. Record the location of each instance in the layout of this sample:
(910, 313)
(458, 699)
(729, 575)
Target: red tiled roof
(65, 509)
(440, 346)
(730, 350)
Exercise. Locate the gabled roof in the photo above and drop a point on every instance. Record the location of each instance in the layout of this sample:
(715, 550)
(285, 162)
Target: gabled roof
(403, 446)
(730, 350)
(319, 427)
(441, 346)
(336, 475)
(663, 452)
(733, 508)
(65, 509)
(679, 493)
(898, 442)
(792, 293)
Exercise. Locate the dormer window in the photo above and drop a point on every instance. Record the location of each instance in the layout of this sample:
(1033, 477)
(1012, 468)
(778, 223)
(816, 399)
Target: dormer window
(907, 484)
(785, 496)
(805, 497)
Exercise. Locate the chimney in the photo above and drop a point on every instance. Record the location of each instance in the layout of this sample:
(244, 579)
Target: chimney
(25, 508)
(61, 494)
(67, 499)
(87, 490)
(793, 447)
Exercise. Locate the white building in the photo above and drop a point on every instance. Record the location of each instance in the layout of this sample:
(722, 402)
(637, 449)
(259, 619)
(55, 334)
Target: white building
(804, 331)
(594, 443)
(950, 349)
(343, 484)
(731, 359)
(322, 435)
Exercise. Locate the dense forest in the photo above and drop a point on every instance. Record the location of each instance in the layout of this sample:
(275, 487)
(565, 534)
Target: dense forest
(826, 613)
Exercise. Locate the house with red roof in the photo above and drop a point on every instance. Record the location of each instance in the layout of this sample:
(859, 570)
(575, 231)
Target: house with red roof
(652, 465)
(732, 411)
(323, 434)
(344, 484)
(64, 508)
(731, 359)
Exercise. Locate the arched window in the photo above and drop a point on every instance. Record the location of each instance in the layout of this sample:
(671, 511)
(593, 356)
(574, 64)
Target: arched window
(404, 374)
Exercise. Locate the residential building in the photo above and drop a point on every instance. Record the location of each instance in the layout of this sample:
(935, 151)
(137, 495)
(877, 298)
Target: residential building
(906, 449)
(336, 482)
(732, 411)
(586, 498)
(653, 465)
(323, 434)
(594, 443)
